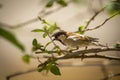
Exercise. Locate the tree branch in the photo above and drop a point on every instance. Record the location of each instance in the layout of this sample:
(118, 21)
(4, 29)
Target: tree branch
(106, 20)
(78, 54)
(44, 14)
(111, 76)
(93, 17)
(88, 51)
(19, 73)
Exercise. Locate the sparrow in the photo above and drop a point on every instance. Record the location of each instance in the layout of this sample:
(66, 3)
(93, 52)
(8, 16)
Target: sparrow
(74, 40)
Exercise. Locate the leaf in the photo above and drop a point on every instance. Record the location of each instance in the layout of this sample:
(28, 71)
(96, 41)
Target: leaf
(47, 45)
(62, 2)
(40, 68)
(52, 28)
(35, 43)
(48, 67)
(55, 70)
(113, 7)
(50, 3)
(80, 30)
(37, 30)
(44, 35)
(117, 45)
(10, 37)
(26, 58)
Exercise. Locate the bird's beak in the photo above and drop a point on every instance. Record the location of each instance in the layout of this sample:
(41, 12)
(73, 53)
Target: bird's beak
(53, 39)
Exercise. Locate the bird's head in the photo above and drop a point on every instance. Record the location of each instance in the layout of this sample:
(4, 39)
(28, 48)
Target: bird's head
(59, 36)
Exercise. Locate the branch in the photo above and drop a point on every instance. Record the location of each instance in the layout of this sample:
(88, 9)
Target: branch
(19, 73)
(92, 56)
(95, 50)
(93, 17)
(78, 54)
(106, 20)
(111, 76)
(44, 14)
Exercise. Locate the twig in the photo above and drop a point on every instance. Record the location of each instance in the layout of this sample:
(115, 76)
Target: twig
(93, 17)
(88, 51)
(20, 73)
(92, 56)
(103, 22)
(45, 13)
(111, 76)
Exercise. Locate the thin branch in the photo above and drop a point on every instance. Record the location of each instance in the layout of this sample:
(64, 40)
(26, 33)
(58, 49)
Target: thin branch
(92, 56)
(111, 76)
(93, 17)
(44, 14)
(106, 20)
(88, 51)
(20, 73)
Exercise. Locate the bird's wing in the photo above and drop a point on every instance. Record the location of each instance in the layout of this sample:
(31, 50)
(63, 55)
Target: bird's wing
(75, 37)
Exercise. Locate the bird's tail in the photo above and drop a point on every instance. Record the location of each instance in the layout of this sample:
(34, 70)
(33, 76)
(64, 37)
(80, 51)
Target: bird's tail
(98, 44)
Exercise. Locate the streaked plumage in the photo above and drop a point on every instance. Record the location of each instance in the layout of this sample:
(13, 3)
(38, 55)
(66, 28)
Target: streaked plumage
(73, 40)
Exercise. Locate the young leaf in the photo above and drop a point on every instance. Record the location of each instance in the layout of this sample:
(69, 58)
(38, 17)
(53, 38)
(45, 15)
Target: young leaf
(50, 3)
(113, 7)
(52, 28)
(44, 35)
(47, 45)
(55, 70)
(80, 30)
(10, 37)
(62, 2)
(117, 45)
(48, 67)
(40, 68)
(26, 58)
(37, 30)
(35, 43)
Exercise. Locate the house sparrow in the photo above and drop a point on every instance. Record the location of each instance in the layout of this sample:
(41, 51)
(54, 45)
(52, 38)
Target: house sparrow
(74, 40)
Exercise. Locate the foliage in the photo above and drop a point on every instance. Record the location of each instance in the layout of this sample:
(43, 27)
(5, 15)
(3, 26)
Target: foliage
(26, 58)
(10, 37)
(51, 2)
(113, 7)
(50, 66)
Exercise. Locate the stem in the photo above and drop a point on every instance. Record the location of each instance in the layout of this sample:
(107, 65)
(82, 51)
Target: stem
(93, 17)
(106, 20)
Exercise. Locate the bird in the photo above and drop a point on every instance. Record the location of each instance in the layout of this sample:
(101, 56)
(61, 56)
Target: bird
(74, 40)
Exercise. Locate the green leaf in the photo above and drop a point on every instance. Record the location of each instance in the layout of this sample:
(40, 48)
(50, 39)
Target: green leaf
(62, 2)
(50, 3)
(35, 43)
(48, 67)
(117, 45)
(55, 70)
(10, 37)
(44, 35)
(113, 7)
(41, 68)
(52, 28)
(47, 44)
(26, 58)
(37, 30)
(80, 30)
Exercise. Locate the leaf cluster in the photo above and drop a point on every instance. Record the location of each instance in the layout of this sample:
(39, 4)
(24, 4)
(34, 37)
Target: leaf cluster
(113, 7)
(50, 3)
(50, 66)
(11, 38)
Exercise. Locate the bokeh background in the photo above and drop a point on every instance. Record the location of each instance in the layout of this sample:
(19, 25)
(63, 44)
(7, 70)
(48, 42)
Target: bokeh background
(13, 13)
